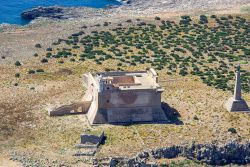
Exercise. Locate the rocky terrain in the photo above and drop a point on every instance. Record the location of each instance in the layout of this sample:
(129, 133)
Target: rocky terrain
(29, 136)
(232, 152)
(137, 7)
(57, 12)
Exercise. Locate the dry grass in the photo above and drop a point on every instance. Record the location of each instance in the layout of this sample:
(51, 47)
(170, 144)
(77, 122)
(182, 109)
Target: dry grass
(26, 127)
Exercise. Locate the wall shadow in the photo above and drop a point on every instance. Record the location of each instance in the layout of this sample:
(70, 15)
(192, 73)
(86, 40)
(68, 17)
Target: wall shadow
(172, 114)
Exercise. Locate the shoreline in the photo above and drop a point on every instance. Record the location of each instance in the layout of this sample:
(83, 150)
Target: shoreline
(133, 7)
(33, 33)
(70, 8)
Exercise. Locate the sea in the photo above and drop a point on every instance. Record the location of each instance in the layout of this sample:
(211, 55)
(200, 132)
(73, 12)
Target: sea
(10, 10)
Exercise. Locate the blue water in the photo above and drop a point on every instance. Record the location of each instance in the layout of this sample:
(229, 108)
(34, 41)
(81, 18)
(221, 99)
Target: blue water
(10, 10)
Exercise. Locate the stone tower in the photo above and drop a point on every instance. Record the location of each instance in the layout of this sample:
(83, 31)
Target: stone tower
(237, 103)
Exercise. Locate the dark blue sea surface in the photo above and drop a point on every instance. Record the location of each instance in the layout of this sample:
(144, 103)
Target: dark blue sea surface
(10, 10)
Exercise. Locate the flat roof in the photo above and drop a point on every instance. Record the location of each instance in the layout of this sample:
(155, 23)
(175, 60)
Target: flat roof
(137, 80)
(121, 80)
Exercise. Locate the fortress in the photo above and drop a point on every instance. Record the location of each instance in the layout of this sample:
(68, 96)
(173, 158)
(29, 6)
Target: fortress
(119, 97)
(129, 97)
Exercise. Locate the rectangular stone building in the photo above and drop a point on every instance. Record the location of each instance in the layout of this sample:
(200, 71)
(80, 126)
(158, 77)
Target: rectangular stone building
(123, 97)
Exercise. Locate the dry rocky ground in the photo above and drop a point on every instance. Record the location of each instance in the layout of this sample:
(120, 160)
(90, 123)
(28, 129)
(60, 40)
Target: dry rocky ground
(32, 137)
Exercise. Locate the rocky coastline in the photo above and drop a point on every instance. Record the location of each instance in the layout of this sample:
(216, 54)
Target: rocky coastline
(211, 154)
(134, 6)
(59, 12)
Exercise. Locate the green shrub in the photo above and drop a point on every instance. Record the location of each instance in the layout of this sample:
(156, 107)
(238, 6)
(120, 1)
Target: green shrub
(38, 45)
(31, 72)
(40, 70)
(44, 60)
(105, 24)
(196, 118)
(60, 61)
(213, 16)
(35, 55)
(157, 18)
(72, 60)
(17, 75)
(203, 19)
(17, 63)
(119, 64)
(232, 130)
(49, 49)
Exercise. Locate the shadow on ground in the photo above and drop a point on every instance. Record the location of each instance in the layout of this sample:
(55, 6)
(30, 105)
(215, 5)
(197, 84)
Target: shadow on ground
(172, 114)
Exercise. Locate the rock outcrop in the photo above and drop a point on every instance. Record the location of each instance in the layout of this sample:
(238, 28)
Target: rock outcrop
(58, 12)
(211, 154)
(50, 12)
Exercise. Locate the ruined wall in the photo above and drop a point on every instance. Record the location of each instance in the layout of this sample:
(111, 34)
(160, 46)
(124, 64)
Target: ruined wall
(92, 91)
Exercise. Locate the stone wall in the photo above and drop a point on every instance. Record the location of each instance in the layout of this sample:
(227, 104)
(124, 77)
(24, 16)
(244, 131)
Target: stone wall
(211, 154)
(129, 98)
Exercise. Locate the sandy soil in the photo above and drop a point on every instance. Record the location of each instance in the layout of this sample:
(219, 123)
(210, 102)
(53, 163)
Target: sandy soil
(6, 162)
(26, 128)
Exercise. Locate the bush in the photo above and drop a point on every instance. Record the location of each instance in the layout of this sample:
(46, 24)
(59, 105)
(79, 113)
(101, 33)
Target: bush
(157, 18)
(49, 54)
(40, 70)
(44, 60)
(60, 61)
(17, 63)
(232, 130)
(31, 72)
(49, 49)
(81, 59)
(105, 24)
(196, 118)
(38, 45)
(203, 19)
(35, 55)
(17, 75)
(72, 59)
(213, 16)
